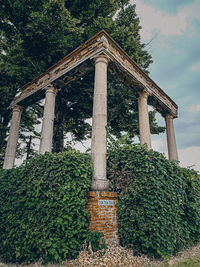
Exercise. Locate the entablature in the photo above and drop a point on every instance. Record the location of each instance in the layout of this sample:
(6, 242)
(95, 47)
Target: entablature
(79, 62)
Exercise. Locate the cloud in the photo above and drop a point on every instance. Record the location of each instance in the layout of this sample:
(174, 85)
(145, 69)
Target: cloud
(190, 157)
(195, 108)
(155, 21)
(172, 68)
(169, 6)
(159, 143)
(195, 67)
(174, 28)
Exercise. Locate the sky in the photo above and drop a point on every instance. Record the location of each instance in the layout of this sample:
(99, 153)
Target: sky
(171, 30)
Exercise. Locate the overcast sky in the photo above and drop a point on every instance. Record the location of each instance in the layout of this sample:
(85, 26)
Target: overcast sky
(173, 27)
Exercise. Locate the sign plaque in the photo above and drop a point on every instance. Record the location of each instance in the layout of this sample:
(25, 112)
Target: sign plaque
(104, 202)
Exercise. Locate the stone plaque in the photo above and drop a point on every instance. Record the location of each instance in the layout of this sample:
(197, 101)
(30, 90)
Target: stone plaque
(104, 202)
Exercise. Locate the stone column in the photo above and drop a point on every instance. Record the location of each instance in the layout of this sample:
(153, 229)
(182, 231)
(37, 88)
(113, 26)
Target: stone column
(9, 159)
(144, 127)
(99, 122)
(48, 120)
(171, 139)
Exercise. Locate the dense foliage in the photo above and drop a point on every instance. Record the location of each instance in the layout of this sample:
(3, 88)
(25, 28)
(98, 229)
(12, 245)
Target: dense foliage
(43, 207)
(96, 240)
(159, 211)
(43, 203)
(34, 35)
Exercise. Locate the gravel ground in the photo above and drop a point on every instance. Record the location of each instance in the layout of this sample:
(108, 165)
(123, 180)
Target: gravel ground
(116, 257)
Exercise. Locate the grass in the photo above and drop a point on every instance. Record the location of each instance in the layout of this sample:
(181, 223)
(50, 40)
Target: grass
(193, 262)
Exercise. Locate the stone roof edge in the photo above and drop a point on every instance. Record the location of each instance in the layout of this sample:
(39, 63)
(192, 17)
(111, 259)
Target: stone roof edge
(74, 52)
(136, 66)
(83, 46)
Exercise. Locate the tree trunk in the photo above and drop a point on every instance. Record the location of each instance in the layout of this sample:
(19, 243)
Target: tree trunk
(4, 129)
(58, 136)
(28, 147)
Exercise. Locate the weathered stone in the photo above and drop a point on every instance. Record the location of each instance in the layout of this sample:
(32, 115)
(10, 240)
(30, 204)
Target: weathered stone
(9, 159)
(171, 139)
(99, 122)
(48, 120)
(144, 128)
(78, 63)
(122, 64)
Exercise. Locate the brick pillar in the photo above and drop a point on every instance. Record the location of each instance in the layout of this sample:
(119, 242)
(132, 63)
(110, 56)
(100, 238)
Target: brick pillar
(102, 207)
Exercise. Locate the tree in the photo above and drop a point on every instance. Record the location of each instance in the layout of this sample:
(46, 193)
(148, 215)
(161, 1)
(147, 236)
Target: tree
(36, 34)
(33, 36)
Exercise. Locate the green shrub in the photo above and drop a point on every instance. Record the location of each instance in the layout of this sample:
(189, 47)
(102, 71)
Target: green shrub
(97, 240)
(158, 201)
(43, 207)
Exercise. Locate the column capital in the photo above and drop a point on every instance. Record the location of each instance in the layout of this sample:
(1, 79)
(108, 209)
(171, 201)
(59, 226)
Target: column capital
(143, 94)
(17, 108)
(50, 89)
(101, 58)
(169, 116)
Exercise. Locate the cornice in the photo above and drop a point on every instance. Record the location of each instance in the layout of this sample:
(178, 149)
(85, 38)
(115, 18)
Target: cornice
(99, 43)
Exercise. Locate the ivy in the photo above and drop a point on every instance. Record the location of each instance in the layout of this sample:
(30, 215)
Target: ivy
(43, 207)
(158, 201)
(43, 204)
(96, 240)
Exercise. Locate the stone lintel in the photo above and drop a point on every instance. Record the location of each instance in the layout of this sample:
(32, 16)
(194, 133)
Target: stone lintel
(100, 43)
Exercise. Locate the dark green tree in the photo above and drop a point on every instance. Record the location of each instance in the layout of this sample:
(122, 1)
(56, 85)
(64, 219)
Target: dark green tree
(33, 36)
(36, 34)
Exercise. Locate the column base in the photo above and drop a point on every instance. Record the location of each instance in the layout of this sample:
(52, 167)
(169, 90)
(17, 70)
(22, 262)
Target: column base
(102, 207)
(99, 184)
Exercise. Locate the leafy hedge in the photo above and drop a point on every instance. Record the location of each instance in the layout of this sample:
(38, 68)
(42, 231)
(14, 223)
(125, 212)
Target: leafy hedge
(158, 202)
(42, 207)
(42, 204)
